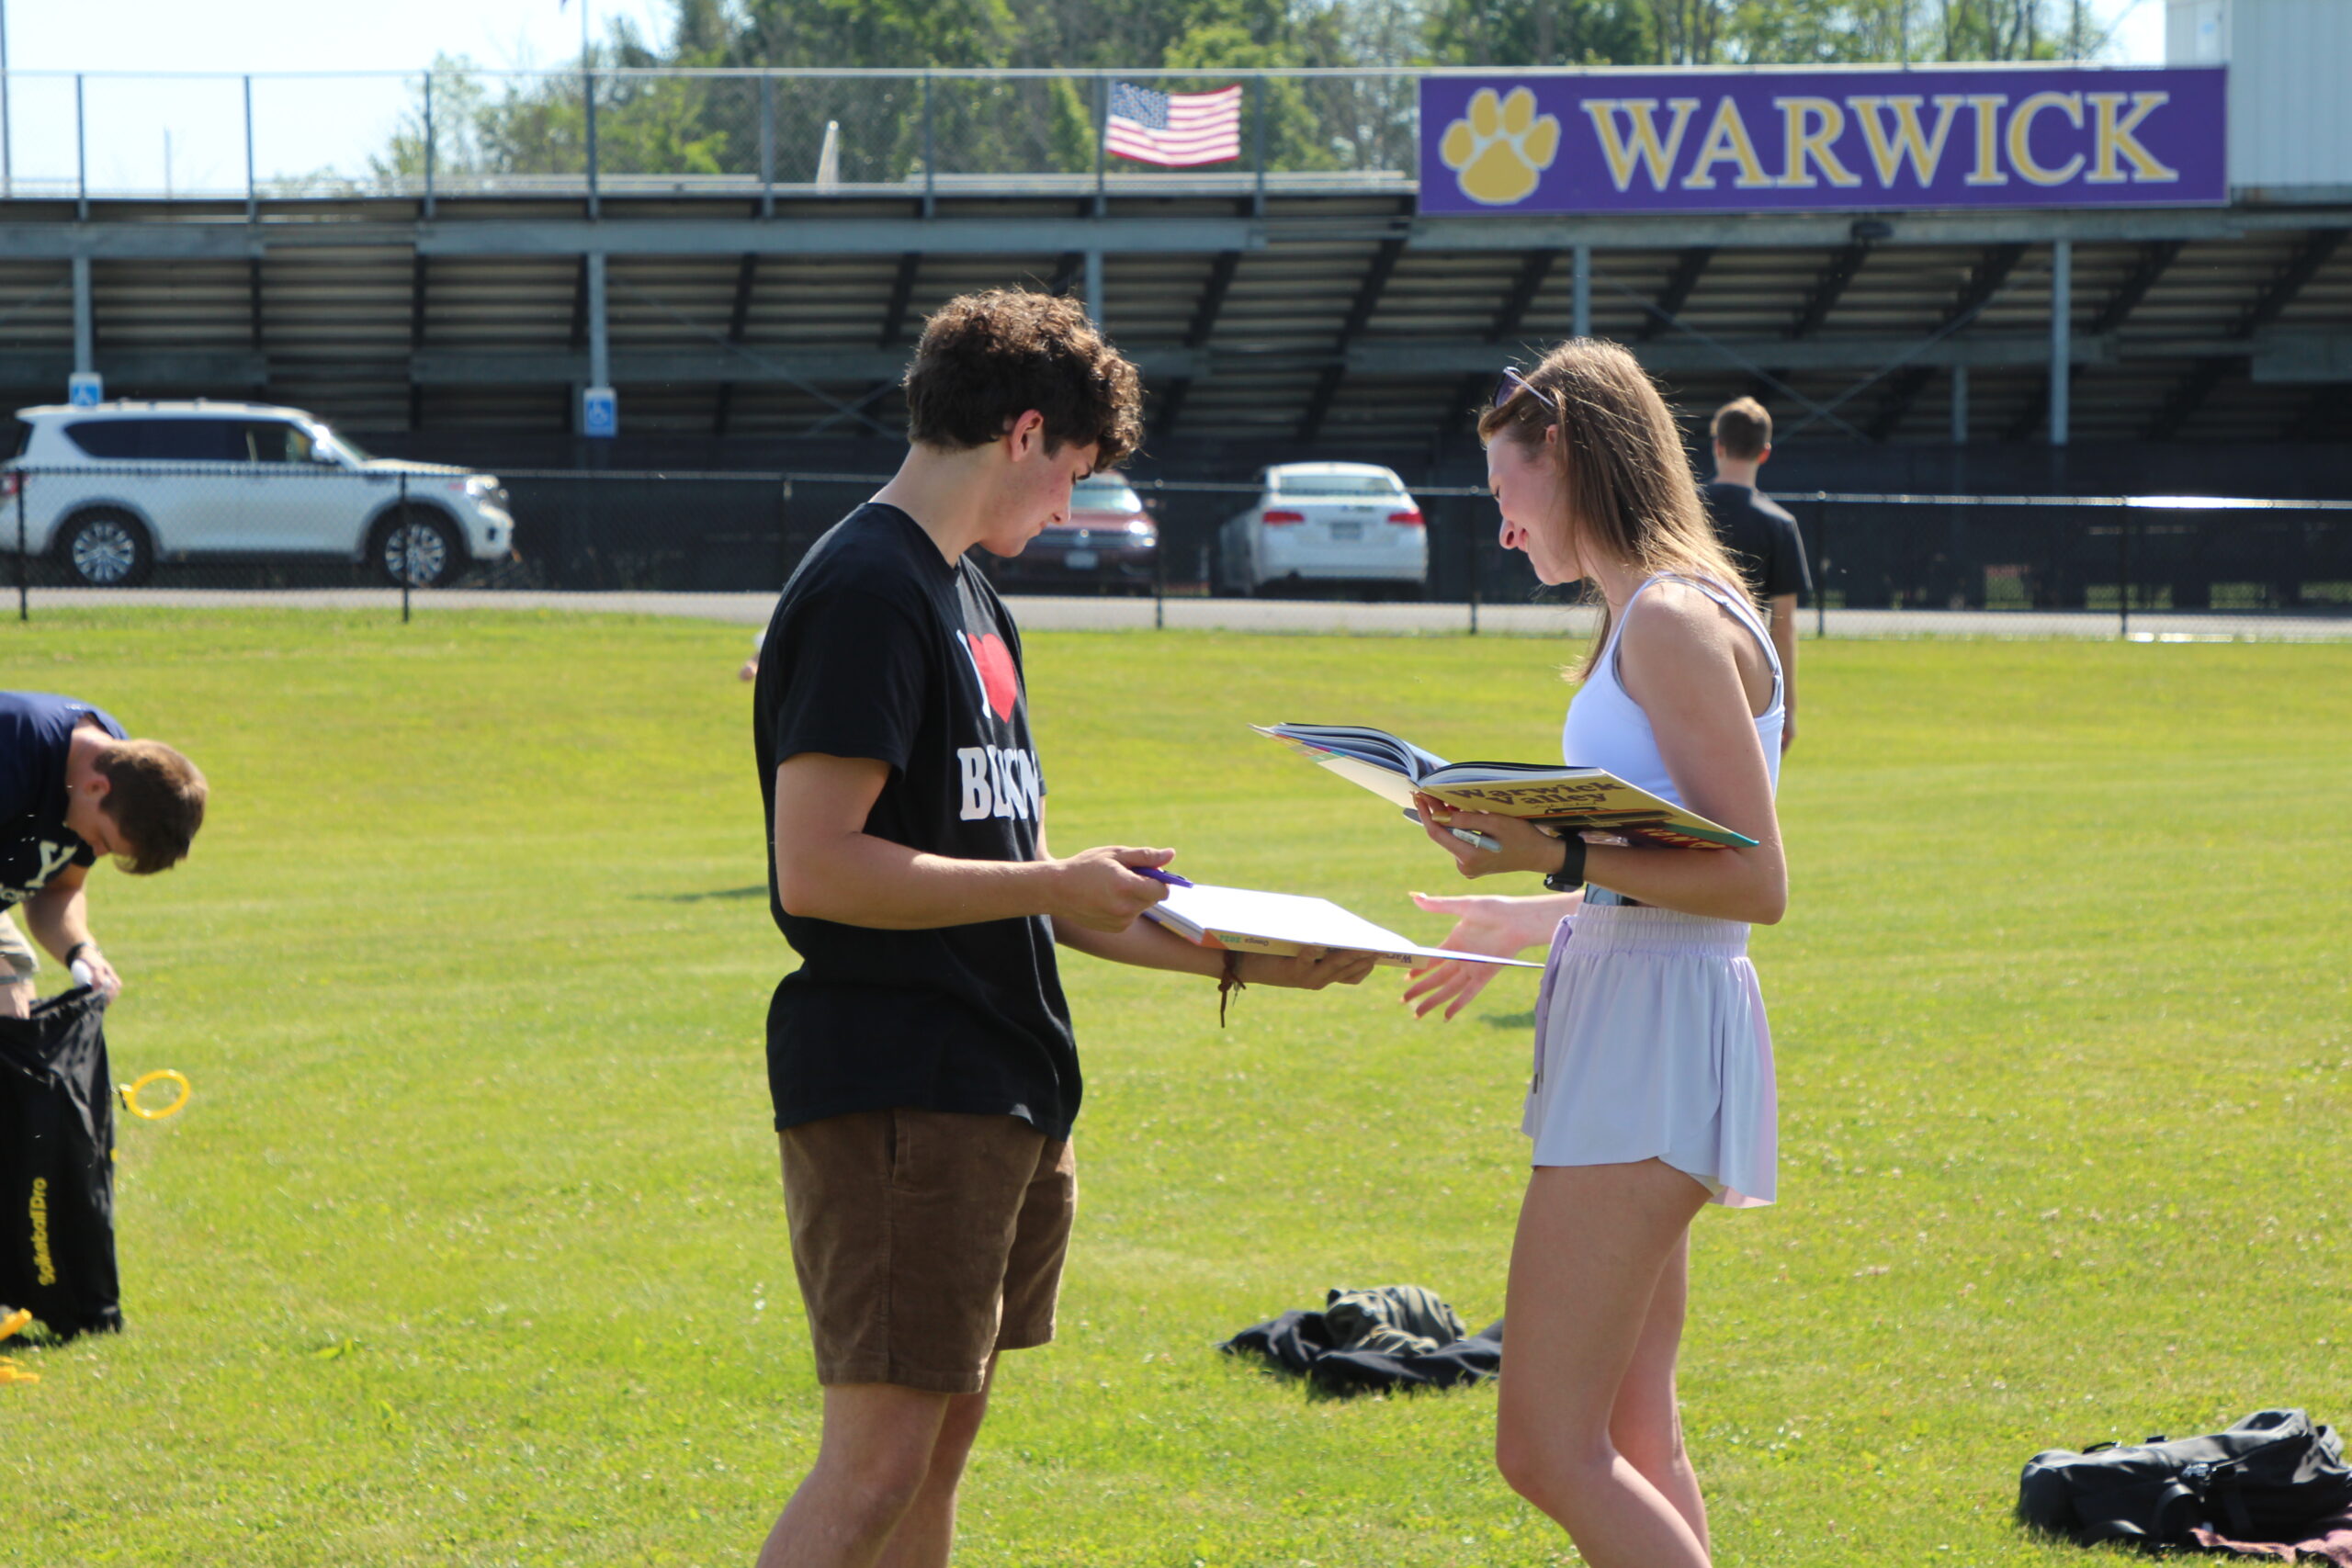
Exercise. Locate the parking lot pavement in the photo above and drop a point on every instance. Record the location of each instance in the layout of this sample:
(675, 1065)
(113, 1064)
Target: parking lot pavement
(1050, 613)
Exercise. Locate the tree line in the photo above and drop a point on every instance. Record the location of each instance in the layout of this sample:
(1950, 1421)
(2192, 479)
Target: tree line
(1107, 34)
(490, 124)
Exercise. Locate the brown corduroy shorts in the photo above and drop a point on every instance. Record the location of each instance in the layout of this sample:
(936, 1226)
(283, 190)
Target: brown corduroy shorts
(926, 1241)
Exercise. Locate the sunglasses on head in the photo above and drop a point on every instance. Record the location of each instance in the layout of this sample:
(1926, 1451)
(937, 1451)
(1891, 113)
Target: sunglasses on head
(1511, 386)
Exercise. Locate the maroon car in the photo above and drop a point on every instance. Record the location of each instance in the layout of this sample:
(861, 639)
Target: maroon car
(1108, 544)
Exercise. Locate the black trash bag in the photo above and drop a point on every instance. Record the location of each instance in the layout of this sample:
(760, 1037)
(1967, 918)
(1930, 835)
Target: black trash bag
(2268, 1478)
(1397, 1337)
(57, 1166)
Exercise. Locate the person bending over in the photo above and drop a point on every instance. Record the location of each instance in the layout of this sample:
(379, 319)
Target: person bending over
(920, 1059)
(1653, 1088)
(74, 786)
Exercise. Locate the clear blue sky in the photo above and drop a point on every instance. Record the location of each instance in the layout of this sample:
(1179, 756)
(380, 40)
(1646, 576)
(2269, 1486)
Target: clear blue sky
(301, 35)
(299, 126)
(322, 123)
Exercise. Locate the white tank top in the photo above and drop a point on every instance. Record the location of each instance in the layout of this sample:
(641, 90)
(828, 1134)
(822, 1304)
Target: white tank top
(1607, 728)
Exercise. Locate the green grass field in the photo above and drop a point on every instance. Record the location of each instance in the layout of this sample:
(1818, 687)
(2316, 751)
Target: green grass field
(470, 1248)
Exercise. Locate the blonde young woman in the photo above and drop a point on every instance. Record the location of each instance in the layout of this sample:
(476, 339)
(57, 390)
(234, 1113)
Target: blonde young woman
(1653, 1088)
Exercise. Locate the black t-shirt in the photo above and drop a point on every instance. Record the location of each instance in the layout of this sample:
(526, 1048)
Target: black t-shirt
(36, 735)
(880, 649)
(1762, 539)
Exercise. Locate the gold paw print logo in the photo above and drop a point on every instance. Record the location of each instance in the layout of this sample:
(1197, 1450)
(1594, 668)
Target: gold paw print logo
(1500, 147)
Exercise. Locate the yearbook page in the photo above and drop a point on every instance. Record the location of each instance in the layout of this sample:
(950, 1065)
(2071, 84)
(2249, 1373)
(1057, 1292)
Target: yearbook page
(1282, 923)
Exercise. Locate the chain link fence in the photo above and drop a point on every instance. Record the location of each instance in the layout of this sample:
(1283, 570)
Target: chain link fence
(2191, 566)
(286, 519)
(1882, 565)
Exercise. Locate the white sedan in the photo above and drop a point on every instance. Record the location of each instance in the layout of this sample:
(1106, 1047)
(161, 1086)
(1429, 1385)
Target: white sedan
(1327, 523)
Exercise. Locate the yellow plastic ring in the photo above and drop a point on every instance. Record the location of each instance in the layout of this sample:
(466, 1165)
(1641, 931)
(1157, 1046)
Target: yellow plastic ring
(130, 1094)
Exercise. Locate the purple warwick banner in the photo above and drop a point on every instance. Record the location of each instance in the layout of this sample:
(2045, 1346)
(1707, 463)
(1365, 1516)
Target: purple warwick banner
(1807, 140)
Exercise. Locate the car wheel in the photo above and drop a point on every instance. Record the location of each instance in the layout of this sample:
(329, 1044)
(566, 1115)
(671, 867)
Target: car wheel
(106, 548)
(421, 549)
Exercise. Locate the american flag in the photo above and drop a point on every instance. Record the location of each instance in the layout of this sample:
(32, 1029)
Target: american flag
(1174, 130)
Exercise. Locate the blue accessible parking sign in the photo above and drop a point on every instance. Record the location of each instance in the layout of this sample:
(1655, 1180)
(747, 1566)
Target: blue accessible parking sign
(600, 414)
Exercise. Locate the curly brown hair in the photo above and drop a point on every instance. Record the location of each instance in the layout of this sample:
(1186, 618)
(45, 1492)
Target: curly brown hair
(156, 797)
(986, 359)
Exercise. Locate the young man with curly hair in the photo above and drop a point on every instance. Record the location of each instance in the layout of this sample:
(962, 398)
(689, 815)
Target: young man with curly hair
(74, 786)
(920, 1059)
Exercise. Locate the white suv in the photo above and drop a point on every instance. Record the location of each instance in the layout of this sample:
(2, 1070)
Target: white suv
(112, 488)
(1327, 523)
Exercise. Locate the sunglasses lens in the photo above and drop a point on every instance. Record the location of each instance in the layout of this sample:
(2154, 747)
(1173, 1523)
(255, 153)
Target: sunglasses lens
(1512, 384)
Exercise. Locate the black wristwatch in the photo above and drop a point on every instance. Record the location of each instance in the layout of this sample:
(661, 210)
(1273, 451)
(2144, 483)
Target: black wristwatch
(1570, 877)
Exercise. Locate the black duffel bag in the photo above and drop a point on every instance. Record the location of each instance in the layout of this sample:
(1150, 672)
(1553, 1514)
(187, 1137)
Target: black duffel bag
(57, 1166)
(2266, 1478)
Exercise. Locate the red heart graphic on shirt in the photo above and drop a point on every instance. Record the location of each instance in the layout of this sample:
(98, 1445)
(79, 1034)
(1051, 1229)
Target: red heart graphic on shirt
(993, 662)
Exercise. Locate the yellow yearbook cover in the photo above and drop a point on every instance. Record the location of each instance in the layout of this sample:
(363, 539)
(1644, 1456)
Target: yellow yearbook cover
(1583, 800)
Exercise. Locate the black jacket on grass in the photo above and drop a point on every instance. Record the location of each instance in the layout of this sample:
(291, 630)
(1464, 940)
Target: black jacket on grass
(1397, 1337)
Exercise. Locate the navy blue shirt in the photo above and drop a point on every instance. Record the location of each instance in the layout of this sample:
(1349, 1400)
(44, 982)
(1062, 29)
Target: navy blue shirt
(882, 650)
(1761, 536)
(36, 737)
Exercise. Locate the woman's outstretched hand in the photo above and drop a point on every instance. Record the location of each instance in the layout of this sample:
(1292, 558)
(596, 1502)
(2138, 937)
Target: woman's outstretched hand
(1483, 923)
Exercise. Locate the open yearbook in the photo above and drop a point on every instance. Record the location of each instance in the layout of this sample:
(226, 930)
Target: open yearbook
(1577, 799)
(1282, 923)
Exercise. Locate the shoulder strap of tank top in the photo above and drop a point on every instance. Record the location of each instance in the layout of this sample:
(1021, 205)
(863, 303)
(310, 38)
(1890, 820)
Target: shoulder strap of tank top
(1617, 622)
(1735, 603)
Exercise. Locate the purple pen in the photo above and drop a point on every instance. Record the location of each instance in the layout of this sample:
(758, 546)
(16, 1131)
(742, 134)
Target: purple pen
(1157, 875)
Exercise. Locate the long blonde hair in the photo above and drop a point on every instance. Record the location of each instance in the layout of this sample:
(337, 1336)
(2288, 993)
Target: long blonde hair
(1630, 493)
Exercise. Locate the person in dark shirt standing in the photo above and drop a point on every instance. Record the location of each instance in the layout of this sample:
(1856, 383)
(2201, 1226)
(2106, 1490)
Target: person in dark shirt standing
(74, 786)
(1760, 535)
(920, 1060)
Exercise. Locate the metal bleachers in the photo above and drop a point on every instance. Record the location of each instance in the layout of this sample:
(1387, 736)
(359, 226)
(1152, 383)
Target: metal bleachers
(1292, 309)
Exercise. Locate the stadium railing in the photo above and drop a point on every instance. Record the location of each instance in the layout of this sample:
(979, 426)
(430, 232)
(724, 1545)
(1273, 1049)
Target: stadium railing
(2153, 566)
(462, 131)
